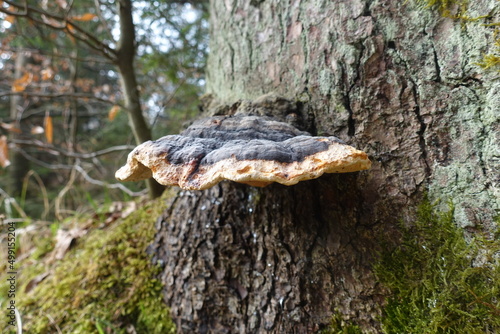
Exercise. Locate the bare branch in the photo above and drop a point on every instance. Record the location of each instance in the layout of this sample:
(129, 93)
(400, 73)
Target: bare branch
(11, 201)
(19, 7)
(70, 6)
(170, 98)
(58, 151)
(85, 175)
(110, 185)
(59, 95)
(42, 187)
(56, 55)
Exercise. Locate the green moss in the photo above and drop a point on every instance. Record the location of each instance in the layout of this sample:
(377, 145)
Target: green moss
(339, 326)
(445, 7)
(492, 60)
(439, 282)
(104, 285)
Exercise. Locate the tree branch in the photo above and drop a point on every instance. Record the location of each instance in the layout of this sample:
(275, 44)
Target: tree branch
(61, 23)
(59, 95)
(58, 151)
(126, 53)
(85, 175)
(125, 62)
(56, 55)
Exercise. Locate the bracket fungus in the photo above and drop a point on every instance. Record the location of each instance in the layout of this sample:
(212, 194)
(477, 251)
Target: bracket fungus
(254, 150)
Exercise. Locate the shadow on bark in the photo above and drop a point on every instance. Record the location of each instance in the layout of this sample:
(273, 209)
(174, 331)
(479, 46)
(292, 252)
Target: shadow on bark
(269, 259)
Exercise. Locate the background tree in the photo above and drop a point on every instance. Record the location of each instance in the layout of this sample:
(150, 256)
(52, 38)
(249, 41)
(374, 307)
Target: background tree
(399, 81)
(78, 51)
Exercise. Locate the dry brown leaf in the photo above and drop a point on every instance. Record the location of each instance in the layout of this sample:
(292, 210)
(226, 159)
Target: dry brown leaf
(49, 129)
(64, 240)
(35, 281)
(47, 73)
(84, 84)
(113, 112)
(10, 127)
(130, 207)
(10, 18)
(4, 152)
(70, 28)
(84, 17)
(19, 85)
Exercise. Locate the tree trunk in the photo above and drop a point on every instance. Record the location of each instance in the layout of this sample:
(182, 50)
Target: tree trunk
(395, 81)
(125, 62)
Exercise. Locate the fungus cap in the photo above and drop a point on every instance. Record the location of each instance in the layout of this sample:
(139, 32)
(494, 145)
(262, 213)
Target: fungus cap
(247, 149)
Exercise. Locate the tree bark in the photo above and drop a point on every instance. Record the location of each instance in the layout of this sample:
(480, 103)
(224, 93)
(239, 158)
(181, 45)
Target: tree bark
(125, 62)
(393, 80)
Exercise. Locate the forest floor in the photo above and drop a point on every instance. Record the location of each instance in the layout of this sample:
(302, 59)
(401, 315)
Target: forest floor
(87, 274)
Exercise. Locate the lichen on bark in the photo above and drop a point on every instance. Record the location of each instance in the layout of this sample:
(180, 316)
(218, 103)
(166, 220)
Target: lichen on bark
(104, 283)
(395, 77)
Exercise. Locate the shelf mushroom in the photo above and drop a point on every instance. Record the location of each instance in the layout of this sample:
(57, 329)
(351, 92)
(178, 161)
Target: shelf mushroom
(254, 150)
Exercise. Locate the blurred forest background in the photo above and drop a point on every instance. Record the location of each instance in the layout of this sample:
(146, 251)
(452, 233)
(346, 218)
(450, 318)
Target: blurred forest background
(69, 110)
(82, 82)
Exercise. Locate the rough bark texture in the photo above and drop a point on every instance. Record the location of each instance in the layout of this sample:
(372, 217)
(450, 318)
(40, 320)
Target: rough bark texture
(397, 82)
(243, 260)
